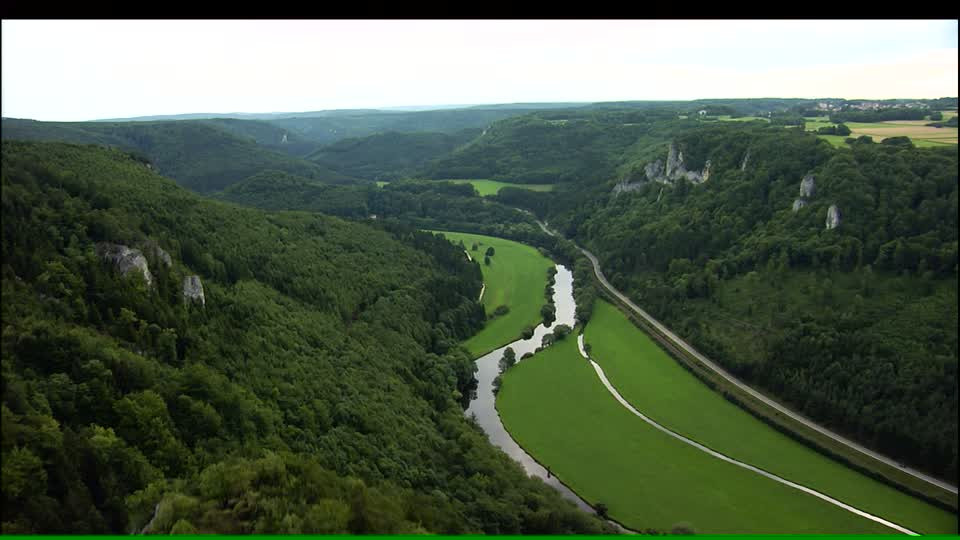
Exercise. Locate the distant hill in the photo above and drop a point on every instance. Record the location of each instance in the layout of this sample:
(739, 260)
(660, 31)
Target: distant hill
(391, 155)
(548, 147)
(201, 155)
(326, 127)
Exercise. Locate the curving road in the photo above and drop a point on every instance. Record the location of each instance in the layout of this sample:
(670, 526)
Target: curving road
(679, 343)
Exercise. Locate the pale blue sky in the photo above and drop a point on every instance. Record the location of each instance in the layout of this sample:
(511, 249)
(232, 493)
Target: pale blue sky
(82, 70)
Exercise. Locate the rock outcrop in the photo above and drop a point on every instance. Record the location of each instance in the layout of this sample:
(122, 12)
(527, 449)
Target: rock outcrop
(625, 186)
(807, 186)
(833, 217)
(666, 173)
(806, 191)
(125, 259)
(193, 290)
(746, 159)
(675, 169)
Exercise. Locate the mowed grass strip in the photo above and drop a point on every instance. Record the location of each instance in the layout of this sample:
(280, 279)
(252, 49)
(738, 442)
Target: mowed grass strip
(660, 388)
(516, 278)
(556, 408)
(492, 187)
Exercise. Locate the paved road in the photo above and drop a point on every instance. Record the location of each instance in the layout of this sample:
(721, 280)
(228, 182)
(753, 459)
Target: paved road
(673, 338)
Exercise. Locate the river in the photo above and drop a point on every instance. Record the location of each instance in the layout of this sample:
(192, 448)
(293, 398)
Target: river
(482, 405)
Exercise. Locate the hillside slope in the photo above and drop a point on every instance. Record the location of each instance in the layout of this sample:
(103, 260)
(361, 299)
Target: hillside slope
(199, 154)
(826, 276)
(287, 400)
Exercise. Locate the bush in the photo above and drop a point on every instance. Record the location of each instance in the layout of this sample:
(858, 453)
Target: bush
(549, 314)
(501, 311)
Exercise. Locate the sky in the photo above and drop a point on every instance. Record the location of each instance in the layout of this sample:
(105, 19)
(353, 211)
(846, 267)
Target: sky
(85, 70)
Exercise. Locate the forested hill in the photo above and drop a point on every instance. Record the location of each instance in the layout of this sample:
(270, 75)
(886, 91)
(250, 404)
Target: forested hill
(389, 156)
(424, 204)
(202, 155)
(554, 146)
(310, 385)
(827, 276)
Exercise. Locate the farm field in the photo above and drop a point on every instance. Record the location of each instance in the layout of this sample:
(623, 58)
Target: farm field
(921, 134)
(516, 278)
(492, 187)
(659, 387)
(554, 405)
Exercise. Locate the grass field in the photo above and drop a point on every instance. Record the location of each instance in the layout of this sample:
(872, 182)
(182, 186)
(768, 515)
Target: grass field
(554, 405)
(921, 134)
(516, 278)
(657, 386)
(492, 187)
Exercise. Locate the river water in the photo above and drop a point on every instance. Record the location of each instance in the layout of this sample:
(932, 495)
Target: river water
(482, 404)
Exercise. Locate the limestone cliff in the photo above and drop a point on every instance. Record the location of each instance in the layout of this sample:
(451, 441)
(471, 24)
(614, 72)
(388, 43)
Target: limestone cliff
(193, 290)
(666, 173)
(833, 217)
(125, 259)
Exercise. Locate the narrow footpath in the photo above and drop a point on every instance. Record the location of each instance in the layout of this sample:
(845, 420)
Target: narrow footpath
(613, 391)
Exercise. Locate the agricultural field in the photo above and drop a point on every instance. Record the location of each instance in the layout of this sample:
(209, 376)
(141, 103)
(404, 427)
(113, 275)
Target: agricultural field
(660, 388)
(921, 134)
(554, 405)
(492, 187)
(516, 278)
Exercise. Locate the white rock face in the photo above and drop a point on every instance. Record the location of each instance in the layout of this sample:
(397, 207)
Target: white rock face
(673, 170)
(807, 186)
(625, 186)
(125, 259)
(798, 204)
(833, 217)
(193, 290)
(746, 159)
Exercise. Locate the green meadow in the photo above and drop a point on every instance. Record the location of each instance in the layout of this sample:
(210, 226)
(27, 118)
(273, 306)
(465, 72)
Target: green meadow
(516, 278)
(660, 388)
(554, 405)
(492, 187)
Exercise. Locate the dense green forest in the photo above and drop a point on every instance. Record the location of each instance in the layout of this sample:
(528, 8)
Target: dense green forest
(389, 156)
(424, 204)
(550, 147)
(201, 155)
(290, 400)
(295, 400)
(854, 325)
